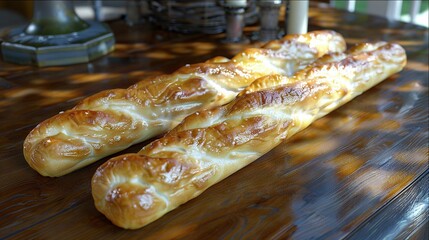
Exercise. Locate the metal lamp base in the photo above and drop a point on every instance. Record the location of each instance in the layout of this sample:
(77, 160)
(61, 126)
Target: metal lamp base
(54, 50)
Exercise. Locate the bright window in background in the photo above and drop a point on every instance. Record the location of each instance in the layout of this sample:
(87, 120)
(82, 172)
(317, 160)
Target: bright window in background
(421, 19)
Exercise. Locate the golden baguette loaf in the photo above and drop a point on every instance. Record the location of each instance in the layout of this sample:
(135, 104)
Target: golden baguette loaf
(133, 190)
(113, 120)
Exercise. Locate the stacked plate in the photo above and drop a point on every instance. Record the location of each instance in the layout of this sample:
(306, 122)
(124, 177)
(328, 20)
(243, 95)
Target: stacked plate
(192, 16)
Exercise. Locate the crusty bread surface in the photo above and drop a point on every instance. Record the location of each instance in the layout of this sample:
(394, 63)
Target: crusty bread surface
(113, 120)
(133, 190)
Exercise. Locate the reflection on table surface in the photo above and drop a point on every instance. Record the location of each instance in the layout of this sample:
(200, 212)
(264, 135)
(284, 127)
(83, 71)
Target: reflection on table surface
(360, 171)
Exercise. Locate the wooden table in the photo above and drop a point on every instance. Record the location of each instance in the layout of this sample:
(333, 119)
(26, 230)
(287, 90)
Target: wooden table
(360, 173)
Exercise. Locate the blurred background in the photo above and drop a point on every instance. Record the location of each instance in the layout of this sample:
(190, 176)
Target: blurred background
(20, 12)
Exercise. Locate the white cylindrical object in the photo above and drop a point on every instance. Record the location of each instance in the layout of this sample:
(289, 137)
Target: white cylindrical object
(414, 11)
(351, 5)
(393, 11)
(297, 20)
(235, 3)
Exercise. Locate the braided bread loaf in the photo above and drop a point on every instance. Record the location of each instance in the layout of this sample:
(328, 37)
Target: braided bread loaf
(113, 120)
(133, 190)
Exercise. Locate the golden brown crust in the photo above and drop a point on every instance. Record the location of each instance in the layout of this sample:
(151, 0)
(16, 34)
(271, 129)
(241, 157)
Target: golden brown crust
(210, 145)
(113, 120)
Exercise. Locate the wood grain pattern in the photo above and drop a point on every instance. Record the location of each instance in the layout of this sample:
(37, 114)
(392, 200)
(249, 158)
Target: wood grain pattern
(338, 178)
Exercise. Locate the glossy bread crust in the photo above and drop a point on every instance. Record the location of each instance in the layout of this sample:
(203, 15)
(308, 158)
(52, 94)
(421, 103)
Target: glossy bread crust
(135, 189)
(113, 120)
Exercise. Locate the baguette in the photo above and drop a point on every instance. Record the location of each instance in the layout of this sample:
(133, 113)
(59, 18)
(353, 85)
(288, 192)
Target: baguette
(133, 190)
(113, 120)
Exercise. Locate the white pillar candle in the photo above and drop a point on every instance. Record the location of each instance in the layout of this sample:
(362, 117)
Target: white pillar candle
(297, 20)
(235, 3)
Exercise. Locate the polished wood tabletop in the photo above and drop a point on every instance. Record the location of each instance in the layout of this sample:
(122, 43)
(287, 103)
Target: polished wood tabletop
(361, 172)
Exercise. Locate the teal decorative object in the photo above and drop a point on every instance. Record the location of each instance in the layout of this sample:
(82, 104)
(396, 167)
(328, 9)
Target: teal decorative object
(57, 36)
